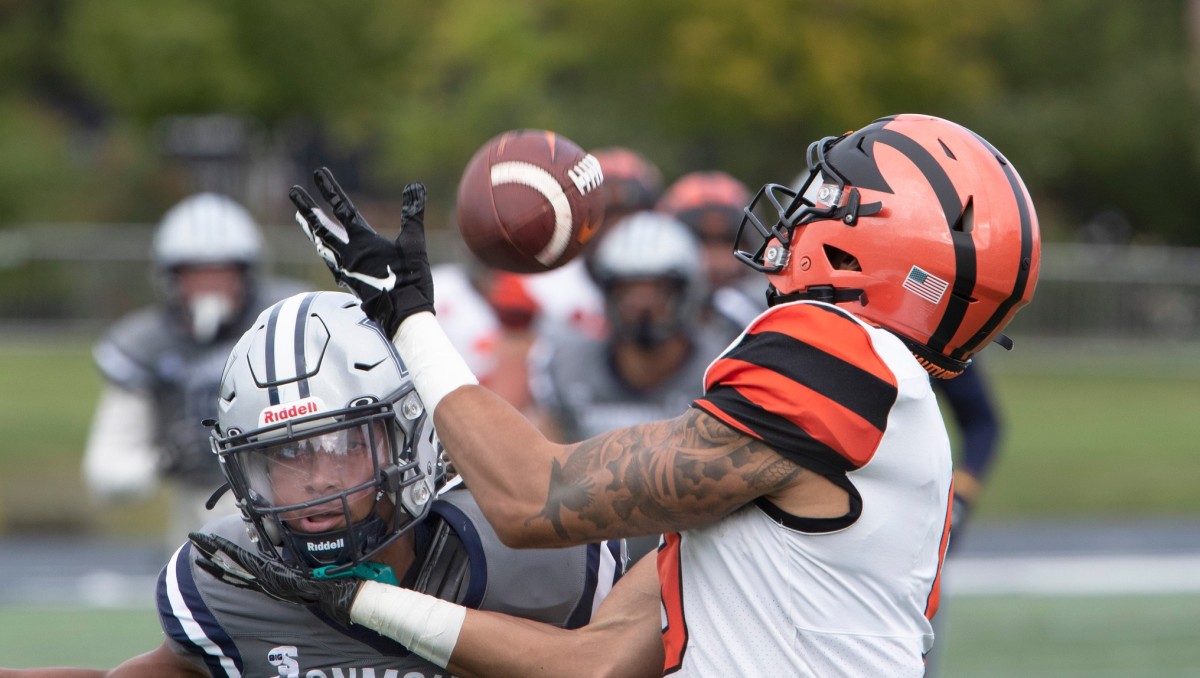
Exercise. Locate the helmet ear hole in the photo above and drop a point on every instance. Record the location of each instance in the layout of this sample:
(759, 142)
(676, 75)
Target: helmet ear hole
(841, 260)
(966, 220)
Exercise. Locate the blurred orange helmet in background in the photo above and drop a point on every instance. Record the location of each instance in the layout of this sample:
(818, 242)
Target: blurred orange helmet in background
(631, 182)
(711, 203)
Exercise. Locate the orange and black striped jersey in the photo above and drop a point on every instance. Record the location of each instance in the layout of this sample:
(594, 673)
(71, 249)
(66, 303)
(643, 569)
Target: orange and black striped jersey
(764, 592)
(807, 380)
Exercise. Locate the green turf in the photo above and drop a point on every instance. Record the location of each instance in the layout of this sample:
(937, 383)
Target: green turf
(986, 637)
(48, 390)
(1096, 445)
(1104, 637)
(92, 638)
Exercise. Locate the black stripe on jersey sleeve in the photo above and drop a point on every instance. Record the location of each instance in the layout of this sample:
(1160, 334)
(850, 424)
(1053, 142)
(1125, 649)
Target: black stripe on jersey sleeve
(199, 612)
(477, 581)
(583, 610)
(782, 435)
(844, 383)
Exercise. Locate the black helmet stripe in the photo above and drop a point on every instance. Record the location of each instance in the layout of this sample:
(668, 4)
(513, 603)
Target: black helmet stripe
(964, 244)
(301, 364)
(1023, 266)
(272, 323)
(298, 319)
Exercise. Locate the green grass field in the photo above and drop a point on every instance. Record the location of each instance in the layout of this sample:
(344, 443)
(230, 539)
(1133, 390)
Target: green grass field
(1106, 637)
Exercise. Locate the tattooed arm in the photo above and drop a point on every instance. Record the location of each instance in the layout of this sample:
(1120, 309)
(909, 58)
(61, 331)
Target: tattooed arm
(642, 480)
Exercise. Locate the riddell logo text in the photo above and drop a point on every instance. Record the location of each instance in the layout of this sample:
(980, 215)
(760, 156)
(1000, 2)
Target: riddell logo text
(326, 545)
(293, 410)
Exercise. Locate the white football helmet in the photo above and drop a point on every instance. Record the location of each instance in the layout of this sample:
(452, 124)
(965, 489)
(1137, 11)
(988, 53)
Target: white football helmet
(321, 435)
(652, 245)
(206, 230)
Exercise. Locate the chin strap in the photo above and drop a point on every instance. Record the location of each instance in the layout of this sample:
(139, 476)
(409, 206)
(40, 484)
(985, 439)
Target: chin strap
(824, 293)
(369, 571)
(216, 496)
(937, 365)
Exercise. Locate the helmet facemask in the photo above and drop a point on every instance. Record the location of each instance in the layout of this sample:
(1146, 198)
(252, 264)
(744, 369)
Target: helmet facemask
(646, 317)
(824, 194)
(324, 489)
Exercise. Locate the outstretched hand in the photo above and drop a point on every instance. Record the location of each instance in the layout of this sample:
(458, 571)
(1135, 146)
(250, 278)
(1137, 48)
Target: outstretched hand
(391, 278)
(235, 565)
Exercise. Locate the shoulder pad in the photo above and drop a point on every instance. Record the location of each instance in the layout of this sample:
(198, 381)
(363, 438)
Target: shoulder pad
(128, 351)
(557, 586)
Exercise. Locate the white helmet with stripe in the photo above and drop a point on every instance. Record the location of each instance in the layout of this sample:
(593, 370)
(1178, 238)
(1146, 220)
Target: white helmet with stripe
(321, 435)
(651, 245)
(207, 228)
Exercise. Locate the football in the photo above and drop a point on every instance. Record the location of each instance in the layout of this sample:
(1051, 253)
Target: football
(529, 200)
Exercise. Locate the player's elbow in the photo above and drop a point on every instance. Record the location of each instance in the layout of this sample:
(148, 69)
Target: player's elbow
(522, 525)
(514, 529)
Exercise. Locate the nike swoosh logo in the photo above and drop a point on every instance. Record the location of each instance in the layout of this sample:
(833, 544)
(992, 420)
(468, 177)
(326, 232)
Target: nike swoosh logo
(381, 284)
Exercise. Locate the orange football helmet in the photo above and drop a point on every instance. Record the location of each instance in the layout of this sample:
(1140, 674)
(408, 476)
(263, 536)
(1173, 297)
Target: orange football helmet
(709, 202)
(631, 182)
(913, 223)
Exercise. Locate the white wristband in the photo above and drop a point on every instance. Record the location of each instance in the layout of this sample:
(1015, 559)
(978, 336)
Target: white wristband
(427, 626)
(436, 367)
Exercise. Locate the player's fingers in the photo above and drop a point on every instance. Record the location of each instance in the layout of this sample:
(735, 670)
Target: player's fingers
(319, 228)
(413, 201)
(306, 212)
(208, 544)
(412, 213)
(217, 549)
(342, 207)
(302, 200)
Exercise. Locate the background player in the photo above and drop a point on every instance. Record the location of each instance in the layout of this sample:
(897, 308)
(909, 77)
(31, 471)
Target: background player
(710, 203)
(817, 447)
(650, 363)
(161, 364)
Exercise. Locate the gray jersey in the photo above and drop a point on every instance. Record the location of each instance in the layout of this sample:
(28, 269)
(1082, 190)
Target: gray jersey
(572, 378)
(232, 632)
(147, 352)
(735, 305)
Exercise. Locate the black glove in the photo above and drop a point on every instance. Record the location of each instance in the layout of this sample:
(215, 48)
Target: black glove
(391, 278)
(235, 565)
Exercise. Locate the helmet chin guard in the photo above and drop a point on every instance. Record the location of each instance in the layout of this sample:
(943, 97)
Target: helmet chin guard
(320, 436)
(913, 223)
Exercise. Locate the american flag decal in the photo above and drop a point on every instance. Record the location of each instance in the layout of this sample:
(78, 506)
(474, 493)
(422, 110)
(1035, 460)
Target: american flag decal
(925, 285)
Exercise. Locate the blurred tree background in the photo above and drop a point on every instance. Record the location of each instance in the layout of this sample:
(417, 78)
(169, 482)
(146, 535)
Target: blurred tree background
(111, 111)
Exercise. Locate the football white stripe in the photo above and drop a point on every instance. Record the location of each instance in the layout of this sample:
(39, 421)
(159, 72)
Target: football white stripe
(285, 348)
(190, 626)
(604, 577)
(543, 182)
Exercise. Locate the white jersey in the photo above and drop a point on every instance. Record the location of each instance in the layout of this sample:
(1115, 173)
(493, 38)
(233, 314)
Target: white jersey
(763, 592)
(567, 297)
(467, 318)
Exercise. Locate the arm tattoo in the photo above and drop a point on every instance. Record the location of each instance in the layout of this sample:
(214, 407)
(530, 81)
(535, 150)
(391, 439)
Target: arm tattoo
(660, 476)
